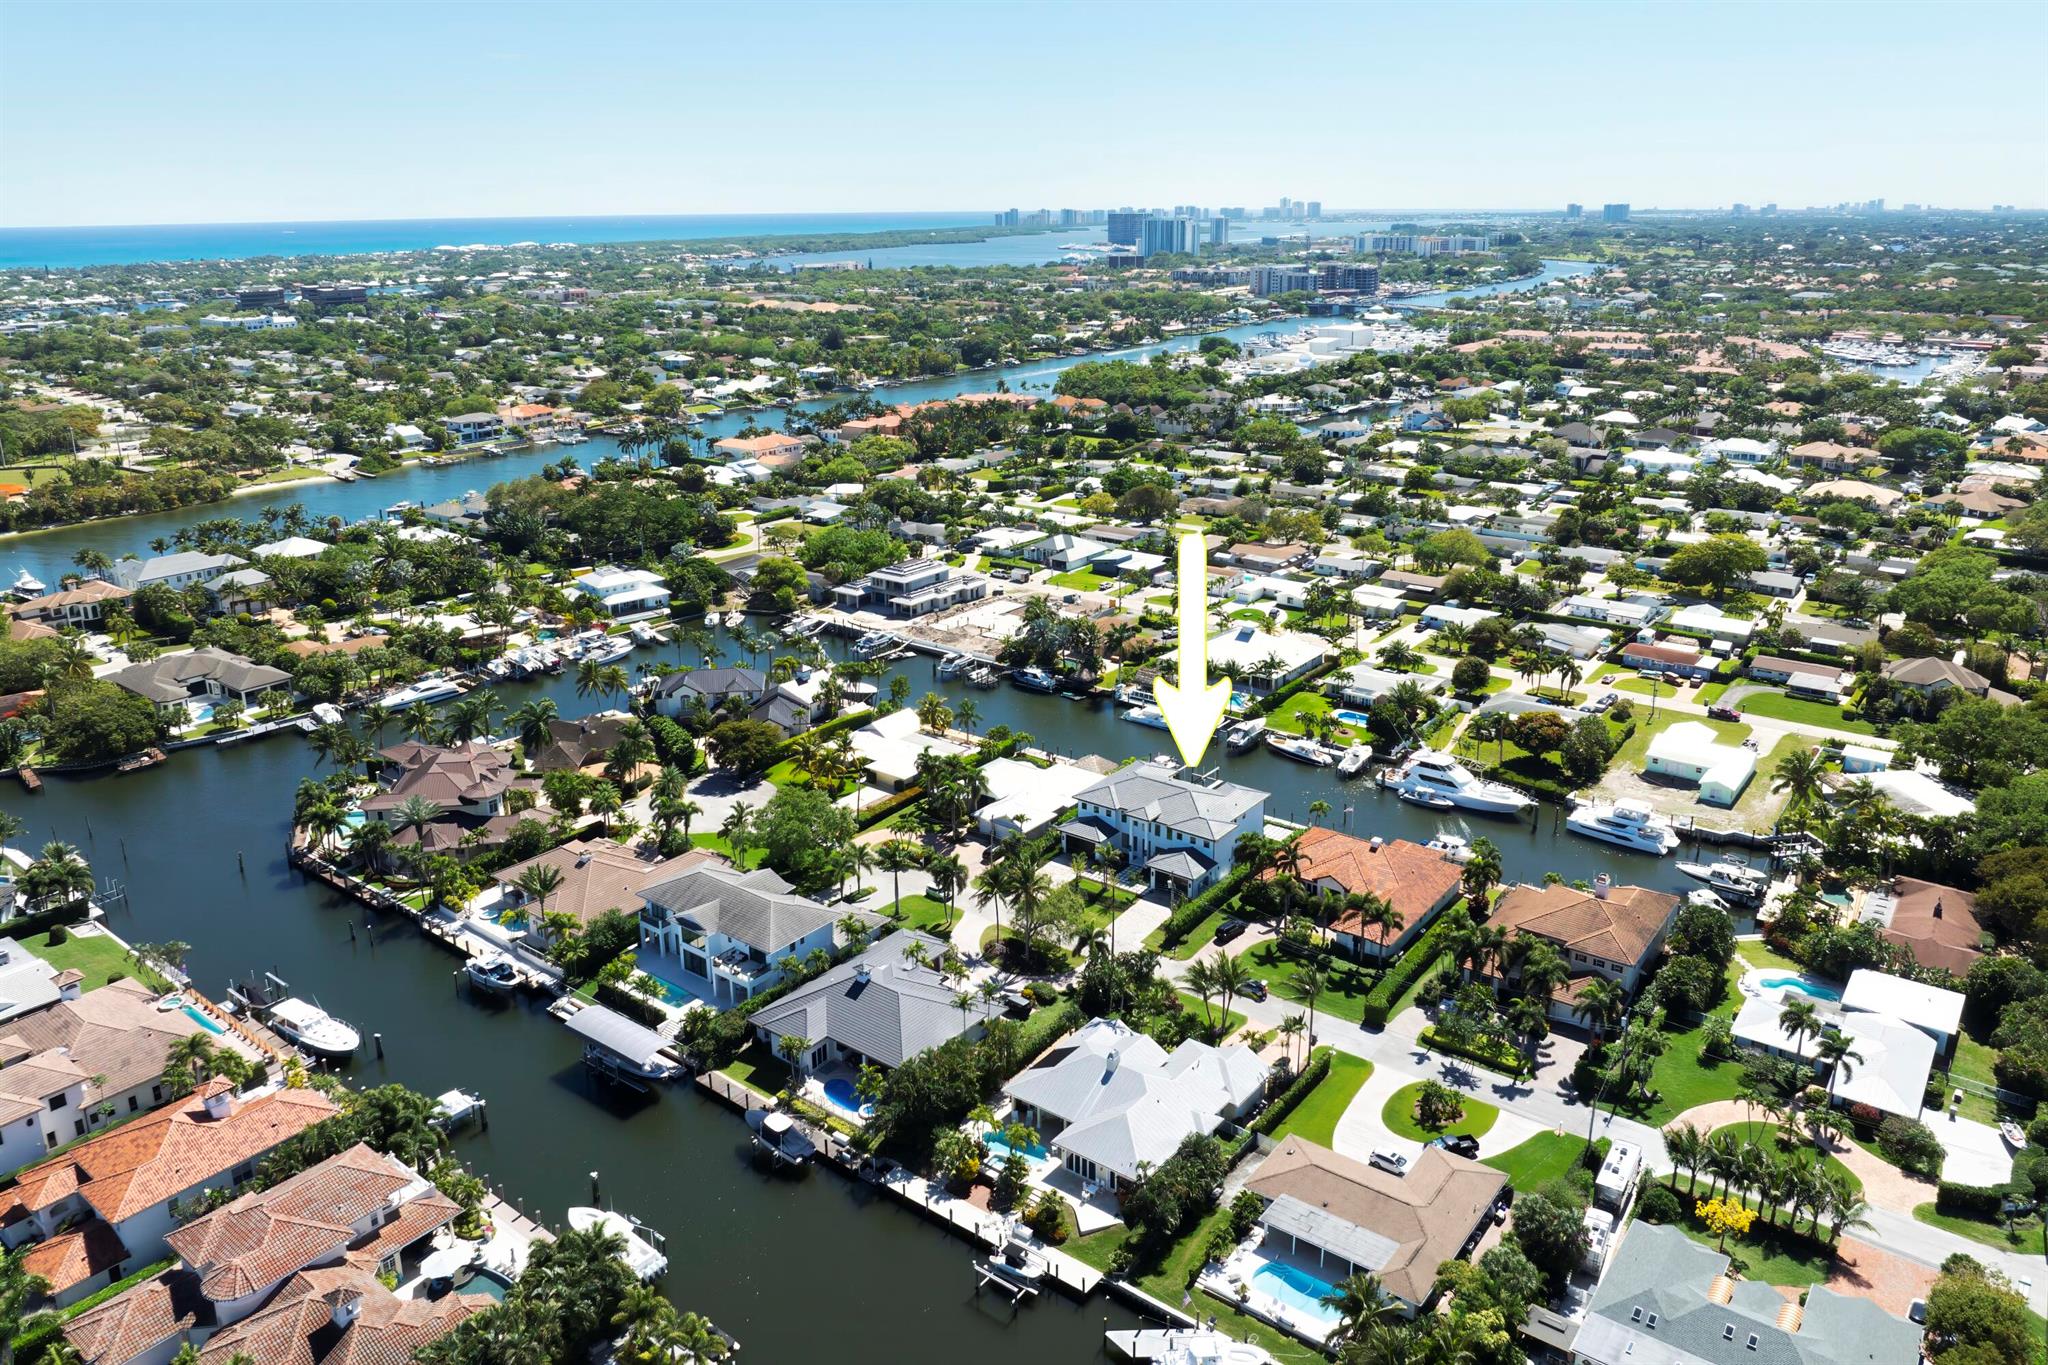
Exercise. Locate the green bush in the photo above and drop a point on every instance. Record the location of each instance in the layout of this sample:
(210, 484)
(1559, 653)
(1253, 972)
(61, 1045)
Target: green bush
(1197, 908)
(1500, 1057)
(1969, 1201)
(1911, 1146)
(1657, 1204)
(1311, 1076)
(1394, 982)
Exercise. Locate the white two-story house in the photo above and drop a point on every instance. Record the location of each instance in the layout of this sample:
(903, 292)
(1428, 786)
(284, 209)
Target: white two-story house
(1182, 831)
(724, 935)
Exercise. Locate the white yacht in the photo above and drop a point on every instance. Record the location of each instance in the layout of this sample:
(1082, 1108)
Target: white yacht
(1354, 760)
(313, 1030)
(1627, 823)
(27, 585)
(1035, 679)
(1735, 880)
(1454, 848)
(426, 689)
(1018, 1259)
(1244, 734)
(1186, 1346)
(492, 972)
(1299, 748)
(953, 665)
(1147, 715)
(609, 651)
(641, 1253)
(1432, 773)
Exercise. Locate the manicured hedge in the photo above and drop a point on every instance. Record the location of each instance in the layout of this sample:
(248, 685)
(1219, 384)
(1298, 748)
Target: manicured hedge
(1420, 957)
(1506, 1059)
(1969, 1201)
(1265, 705)
(1197, 908)
(1039, 1032)
(1311, 1076)
(850, 721)
(876, 813)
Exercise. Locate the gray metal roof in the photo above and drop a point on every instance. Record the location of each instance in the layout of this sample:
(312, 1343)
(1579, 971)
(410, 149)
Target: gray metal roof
(1364, 1248)
(614, 1032)
(879, 1004)
(756, 908)
(1155, 792)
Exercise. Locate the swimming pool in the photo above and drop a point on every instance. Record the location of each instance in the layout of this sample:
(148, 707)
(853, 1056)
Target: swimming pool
(1297, 1290)
(194, 1013)
(999, 1151)
(1800, 984)
(840, 1091)
(484, 1281)
(1358, 720)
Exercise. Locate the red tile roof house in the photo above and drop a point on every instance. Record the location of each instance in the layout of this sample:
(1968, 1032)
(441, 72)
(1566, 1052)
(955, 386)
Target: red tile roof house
(1937, 924)
(775, 451)
(1418, 882)
(1668, 659)
(102, 1208)
(1614, 932)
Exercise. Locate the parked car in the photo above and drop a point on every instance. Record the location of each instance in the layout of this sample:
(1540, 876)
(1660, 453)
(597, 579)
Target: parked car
(1392, 1162)
(1460, 1144)
(1255, 989)
(1230, 929)
(1723, 713)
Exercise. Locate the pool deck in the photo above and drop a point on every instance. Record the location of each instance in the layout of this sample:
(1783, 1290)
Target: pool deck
(1234, 1282)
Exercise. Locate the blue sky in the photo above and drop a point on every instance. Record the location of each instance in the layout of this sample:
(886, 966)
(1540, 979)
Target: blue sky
(171, 112)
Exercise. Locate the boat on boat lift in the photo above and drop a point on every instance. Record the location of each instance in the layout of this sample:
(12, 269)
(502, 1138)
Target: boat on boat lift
(492, 972)
(1354, 760)
(1737, 881)
(1244, 734)
(642, 1252)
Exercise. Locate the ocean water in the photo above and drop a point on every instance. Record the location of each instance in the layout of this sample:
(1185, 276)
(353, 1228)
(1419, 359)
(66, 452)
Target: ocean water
(66, 247)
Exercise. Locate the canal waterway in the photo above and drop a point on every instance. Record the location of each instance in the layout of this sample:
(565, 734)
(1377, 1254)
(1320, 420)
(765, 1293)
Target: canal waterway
(198, 846)
(49, 554)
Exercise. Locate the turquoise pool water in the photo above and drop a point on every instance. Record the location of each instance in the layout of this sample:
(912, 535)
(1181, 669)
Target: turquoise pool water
(1802, 985)
(840, 1091)
(1356, 719)
(1000, 1151)
(198, 1017)
(482, 1281)
(1297, 1289)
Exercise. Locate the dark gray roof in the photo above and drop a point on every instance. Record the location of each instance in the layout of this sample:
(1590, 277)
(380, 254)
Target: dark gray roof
(756, 908)
(713, 683)
(614, 1032)
(168, 677)
(1155, 792)
(879, 1004)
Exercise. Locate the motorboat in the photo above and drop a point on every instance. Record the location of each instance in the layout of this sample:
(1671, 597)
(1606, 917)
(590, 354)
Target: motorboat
(1244, 734)
(429, 690)
(609, 651)
(644, 634)
(1433, 772)
(326, 713)
(1132, 694)
(457, 1107)
(1147, 715)
(1299, 748)
(1018, 1259)
(982, 676)
(641, 1253)
(1734, 880)
(27, 584)
(1454, 848)
(735, 619)
(311, 1029)
(874, 642)
(1628, 823)
(1419, 796)
(1032, 678)
(1185, 1346)
(1354, 759)
(492, 972)
(2014, 1135)
(953, 665)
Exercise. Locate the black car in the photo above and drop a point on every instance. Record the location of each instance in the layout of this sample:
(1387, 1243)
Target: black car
(1254, 989)
(1230, 929)
(1462, 1144)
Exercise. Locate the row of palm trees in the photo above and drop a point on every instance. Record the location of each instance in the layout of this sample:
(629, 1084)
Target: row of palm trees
(1780, 1182)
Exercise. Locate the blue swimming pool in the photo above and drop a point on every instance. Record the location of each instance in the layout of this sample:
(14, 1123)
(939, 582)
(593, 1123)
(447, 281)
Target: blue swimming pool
(199, 1017)
(1000, 1151)
(1802, 985)
(1297, 1289)
(840, 1091)
(1356, 719)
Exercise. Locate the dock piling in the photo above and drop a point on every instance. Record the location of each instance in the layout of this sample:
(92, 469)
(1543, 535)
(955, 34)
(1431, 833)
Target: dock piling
(378, 1039)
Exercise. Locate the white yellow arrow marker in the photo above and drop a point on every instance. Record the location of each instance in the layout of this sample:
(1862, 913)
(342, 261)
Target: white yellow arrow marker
(1194, 706)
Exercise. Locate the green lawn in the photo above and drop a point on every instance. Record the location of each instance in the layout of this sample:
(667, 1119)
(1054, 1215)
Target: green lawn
(1756, 953)
(1765, 1135)
(1315, 1118)
(921, 912)
(1681, 1077)
(717, 843)
(1710, 693)
(1202, 936)
(1288, 714)
(1633, 753)
(1540, 1160)
(1399, 1116)
(759, 1068)
(99, 958)
(2025, 1238)
(1231, 1022)
(1345, 984)
(1778, 706)
(34, 475)
(1080, 580)
(1768, 1253)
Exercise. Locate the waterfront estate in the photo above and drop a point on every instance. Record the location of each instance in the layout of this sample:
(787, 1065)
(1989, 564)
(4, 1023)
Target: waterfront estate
(1181, 830)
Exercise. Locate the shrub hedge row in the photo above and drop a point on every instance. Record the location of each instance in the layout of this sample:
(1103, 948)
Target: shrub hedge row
(1969, 1201)
(1311, 1076)
(1420, 957)
(1505, 1059)
(1197, 908)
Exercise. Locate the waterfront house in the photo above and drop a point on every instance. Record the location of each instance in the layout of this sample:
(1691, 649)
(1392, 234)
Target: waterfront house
(890, 746)
(724, 935)
(79, 1062)
(1937, 924)
(1333, 1216)
(773, 451)
(180, 570)
(1362, 684)
(1267, 660)
(1667, 1297)
(1416, 881)
(466, 783)
(465, 512)
(1181, 830)
(1025, 799)
(27, 983)
(914, 587)
(1935, 1012)
(677, 694)
(104, 1206)
(82, 607)
(881, 1007)
(625, 593)
(575, 744)
(473, 428)
(597, 875)
(169, 681)
(1691, 752)
(1614, 932)
(1110, 1102)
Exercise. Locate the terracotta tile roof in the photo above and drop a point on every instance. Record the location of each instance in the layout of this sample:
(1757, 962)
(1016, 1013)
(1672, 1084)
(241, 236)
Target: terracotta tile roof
(428, 1213)
(147, 1316)
(71, 1258)
(1412, 878)
(1936, 923)
(260, 1238)
(1621, 927)
(297, 1327)
(445, 776)
(161, 1155)
(600, 875)
(116, 1032)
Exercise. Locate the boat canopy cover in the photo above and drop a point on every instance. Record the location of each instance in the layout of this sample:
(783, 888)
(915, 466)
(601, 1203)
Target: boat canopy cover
(614, 1032)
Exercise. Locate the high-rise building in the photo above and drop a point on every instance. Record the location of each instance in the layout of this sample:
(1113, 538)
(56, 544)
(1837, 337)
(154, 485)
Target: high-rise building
(1125, 225)
(1007, 218)
(1348, 279)
(1739, 211)
(1614, 213)
(1173, 236)
(1574, 212)
(1770, 210)
(1286, 205)
(1268, 280)
(1218, 231)
(1315, 208)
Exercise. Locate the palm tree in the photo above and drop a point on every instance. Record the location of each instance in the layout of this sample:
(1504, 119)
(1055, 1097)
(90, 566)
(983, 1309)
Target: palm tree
(1361, 1305)
(470, 718)
(1309, 984)
(1201, 979)
(895, 857)
(1800, 1020)
(792, 1047)
(1800, 775)
(1317, 809)
(1687, 1147)
(1838, 1050)
(1482, 872)
(531, 722)
(537, 883)
(605, 802)
(58, 876)
(1292, 1027)
(414, 813)
(1231, 976)
(1600, 1004)
(419, 722)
